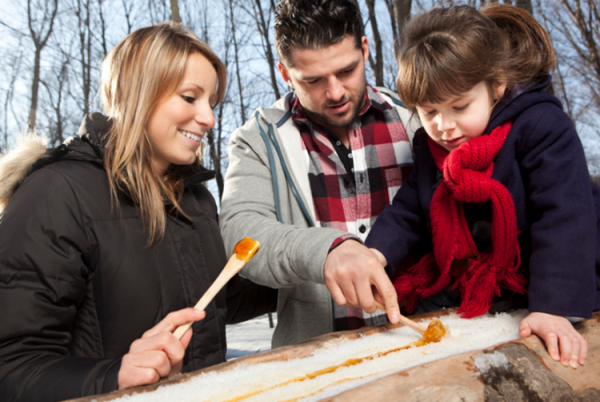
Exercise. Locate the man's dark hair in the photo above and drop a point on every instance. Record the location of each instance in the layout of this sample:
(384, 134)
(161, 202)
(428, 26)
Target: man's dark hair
(315, 24)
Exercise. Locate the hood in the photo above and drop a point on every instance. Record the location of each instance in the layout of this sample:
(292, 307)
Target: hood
(518, 100)
(30, 153)
(15, 164)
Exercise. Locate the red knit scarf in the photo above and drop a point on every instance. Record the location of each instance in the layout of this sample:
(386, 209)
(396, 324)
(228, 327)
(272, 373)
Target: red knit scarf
(455, 260)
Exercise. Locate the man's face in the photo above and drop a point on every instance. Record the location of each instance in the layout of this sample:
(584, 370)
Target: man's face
(330, 82)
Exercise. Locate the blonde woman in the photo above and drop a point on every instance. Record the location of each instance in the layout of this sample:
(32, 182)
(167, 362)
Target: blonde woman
(105, 240)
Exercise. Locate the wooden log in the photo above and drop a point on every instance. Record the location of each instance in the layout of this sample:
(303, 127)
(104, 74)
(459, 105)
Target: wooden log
(531, 375)
(527, 372)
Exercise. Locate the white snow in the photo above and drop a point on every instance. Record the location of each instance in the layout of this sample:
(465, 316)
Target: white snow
(485, 361)
(284, 380)
(249, 337)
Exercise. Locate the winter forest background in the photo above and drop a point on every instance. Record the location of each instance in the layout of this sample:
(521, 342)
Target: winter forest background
(51, 52)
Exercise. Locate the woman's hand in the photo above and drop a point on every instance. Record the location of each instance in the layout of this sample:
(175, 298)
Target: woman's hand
(558, 333)
(157, 353)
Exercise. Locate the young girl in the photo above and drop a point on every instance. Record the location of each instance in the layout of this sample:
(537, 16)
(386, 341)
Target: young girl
(500, 203)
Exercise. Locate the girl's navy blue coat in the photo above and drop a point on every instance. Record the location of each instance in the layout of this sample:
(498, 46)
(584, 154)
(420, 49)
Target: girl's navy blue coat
(543, 165)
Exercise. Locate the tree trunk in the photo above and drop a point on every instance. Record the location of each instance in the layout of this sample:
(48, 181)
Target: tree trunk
(588, 49)
(377, 66)
(102, 29)
(392, 12)
(35, 85)
(40, 40)
(175, 17)
(525, 4)
(56, 97)
(263, 30)
(214, 153)
(236, 56)
(15, 65)
(85, 51)
(402, 8)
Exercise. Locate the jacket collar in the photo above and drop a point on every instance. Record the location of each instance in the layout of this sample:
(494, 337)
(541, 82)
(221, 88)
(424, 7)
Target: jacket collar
(519, 99)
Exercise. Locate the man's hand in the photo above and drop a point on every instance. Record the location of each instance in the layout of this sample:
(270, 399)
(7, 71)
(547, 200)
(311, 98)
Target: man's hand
(563, 342)
(355, 277)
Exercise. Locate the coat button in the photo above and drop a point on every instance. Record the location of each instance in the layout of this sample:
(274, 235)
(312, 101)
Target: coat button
(362, 229)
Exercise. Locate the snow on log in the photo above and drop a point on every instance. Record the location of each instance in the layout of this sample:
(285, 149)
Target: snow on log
(482, 359)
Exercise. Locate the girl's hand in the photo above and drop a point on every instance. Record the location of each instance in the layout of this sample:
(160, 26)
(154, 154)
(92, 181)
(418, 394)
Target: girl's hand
(380, 256)
(558, 333)
(157, 353)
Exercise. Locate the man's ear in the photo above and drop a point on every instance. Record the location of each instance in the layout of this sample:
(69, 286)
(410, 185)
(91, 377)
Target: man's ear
(284, 73)
(364, 46)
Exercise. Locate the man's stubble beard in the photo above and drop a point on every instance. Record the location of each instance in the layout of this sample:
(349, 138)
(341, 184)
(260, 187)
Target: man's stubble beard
(323, 120)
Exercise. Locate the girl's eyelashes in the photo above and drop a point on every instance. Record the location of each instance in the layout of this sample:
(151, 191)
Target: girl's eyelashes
(188, 99)
(461, 107)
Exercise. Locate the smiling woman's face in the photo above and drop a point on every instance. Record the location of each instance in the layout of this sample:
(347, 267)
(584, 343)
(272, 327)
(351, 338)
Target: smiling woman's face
(180, 120)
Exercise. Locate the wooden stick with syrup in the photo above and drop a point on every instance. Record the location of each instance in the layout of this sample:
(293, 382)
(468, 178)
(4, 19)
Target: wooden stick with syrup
(243, 251)
(406, 321)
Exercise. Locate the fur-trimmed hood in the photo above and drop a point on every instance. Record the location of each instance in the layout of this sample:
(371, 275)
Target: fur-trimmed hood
(31, 153)
(15, 164)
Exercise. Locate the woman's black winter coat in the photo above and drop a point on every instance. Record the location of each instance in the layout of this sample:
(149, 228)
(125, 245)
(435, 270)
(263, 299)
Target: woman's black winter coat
(78, 282)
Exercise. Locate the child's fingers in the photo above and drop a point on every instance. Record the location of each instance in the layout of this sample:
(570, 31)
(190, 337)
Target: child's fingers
(566, 349)
(524, 329)
(575, 350)
(583, 351)
(578, 349)
(551, 341)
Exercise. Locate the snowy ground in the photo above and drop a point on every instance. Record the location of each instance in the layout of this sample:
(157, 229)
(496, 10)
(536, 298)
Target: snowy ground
(249, 337)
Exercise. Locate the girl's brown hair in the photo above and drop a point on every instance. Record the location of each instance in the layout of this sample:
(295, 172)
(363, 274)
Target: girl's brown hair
(144, 67)
(447, 51)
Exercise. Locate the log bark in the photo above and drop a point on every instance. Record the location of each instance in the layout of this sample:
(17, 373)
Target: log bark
(531, 375)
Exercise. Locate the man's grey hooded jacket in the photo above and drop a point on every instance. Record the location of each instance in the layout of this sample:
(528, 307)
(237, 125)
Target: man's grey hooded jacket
(268, 197)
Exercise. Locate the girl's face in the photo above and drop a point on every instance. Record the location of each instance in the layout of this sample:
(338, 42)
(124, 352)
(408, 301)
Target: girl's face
(461, 118)
(177, 125)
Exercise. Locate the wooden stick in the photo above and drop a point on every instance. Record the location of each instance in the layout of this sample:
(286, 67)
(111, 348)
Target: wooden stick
(404, 320)
(242, 253)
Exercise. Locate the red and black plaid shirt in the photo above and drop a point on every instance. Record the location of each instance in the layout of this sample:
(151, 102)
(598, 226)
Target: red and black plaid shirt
(382, 159)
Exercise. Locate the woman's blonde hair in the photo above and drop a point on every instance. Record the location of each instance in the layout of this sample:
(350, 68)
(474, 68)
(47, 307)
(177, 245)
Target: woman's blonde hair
(145, 67)
(447, 51)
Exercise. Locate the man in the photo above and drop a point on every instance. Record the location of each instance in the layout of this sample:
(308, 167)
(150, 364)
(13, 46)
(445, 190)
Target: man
(308, 176)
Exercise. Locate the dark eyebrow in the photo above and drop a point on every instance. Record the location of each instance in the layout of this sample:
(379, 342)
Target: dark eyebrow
(341, 70)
